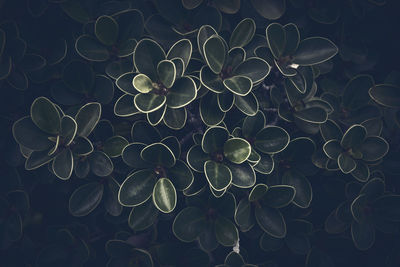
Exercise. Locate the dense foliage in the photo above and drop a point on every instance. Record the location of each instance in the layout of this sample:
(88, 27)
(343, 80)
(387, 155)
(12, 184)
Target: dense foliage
(199, 133)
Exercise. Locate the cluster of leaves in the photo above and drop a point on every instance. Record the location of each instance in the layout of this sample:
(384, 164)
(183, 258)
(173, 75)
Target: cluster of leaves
(196, 133)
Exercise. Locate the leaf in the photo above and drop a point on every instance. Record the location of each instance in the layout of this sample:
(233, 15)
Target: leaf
(131, 156)
(142, 83)
(239, 85)
(204, 33)
(143, 216)
(148, 103)
(346, 163)
(314, 50)
(210, 113)
(143, 132)
(265, 165)
(228, 7)
(189, 224)
(27, 134)
(182, 93)
(353, 137)
(87, 118)
(363, 235)
(332, 149)
(279, 196)
(271, 221)
(214, 139)
(330, 130)
(269, 243)
(237, 150)
(85, 199)
(312, 115)
(181, 49)
(355, 94)
(37, 159)
(114, 146)
(137, 188)
(166, 72)
(218, 175)
(385, 94)
(247, 104)
(269, 9)
(106, 30)
(243, 215)
(253, 124)
(100, 164)
(90, 49)
(374, 148)
(276, 39)
(164, 195)
(214, 53)
(158, 154)
(271, 139)
(243, 175)
(181, 175)
(125, 83)
(124, 106)
(302, 187)
(258, 191)
(243, 33)
(292, 38)
(257, 69)
(175, 118)
(196, 158)
(82, 146)
(226, 232)
(211, 81)
(63, 164)
(146, 57)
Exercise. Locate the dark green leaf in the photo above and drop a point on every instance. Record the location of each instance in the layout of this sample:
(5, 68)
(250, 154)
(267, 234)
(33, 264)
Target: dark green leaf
(85, 199)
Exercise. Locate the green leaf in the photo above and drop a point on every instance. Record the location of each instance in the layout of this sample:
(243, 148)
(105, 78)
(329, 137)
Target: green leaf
(234, 259)
(269, 243)
(374, 148)
(166, 72)
(175, 118)
(258, 192)
(164, 195)
(146, 57)
(87, 118)
(243, 33)
(330, 130)
(214, 53)
(218, 175)
(292, 38)
(90, 49)
(257, 69)
(150, 102)
(114, 146)
(253, 124)
(276, 39)
(265, 165)
(211, 81)
(243, 175)
(27, 134)
(386, 94)
(181, 49)
(363, 235)
(204, 33)
(100, 164)
(137, 188)
(143, 216)
(125, 84)
(271, 221)
(189, 224)
(239, 85)
(332, 149)
(272, 139)
(214, 139)
(85, 199)
(247, 104)
(181, 175)
(243, 215)
(355, 94)
(226, 232)
(228, 7)
(63, 164)
(269, 9)
(237, 150)
(158, 154)
(279, 196)
(210, 113)
(68, 129)
(124, 106)
(143, 132)
(182, 93)
(302, 187)
(312, 115)
(131, 155)
(353, 137)
(82, 146)
(156, 117)
(358, 208)
(37, 159)
(196, 158)
(314, 50)
(106, 30)
(346, 163)
(142, 83)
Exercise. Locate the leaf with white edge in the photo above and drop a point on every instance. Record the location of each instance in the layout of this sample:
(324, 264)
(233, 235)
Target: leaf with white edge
(182, 93)
(85, 199)
(386, 94)
(257, 69)
(226, 232)
(272, 139)
(276, 39)
(148, 103)
(142, 83)
(87, 118)
(237, 150)
(164, 195)
(243, 33)
(271, 221)
(63, 164)
(106, 30)
(146, 57)
(214, 53)
(181, 49)
(218, 175)
(243, 175)
(214, 139)
(27, 134)
(303, 188)
(166, 71)
(189, 224)
(239, 85)
(346, 163)
(158, 154)
(100, 164)
(314, 50)
(91, 49)
(114, 146)
(45, 115)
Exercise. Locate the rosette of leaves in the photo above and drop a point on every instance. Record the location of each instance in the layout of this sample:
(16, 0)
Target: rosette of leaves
(122, 253)
(293, 57)
(368, 209)
(223, 159)
(353, 105)
(208, 221)
(160, 89)
(297, 239)
(48, 135)
(112, 36)
(106, 145)
(14, 208)
(355, 151)
(64, 249)
(228, 74)
(234, 259)
(79, 84)
(15, 62)
(158, 173)
(262, 207)
(265, 141)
